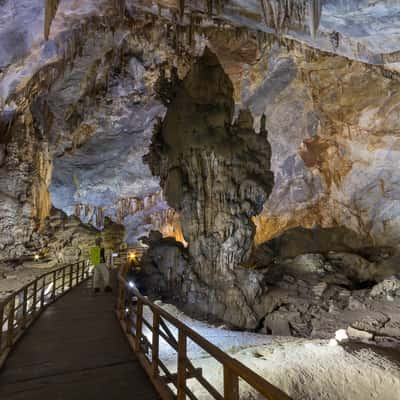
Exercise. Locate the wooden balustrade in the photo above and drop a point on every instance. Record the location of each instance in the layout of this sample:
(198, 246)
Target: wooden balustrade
(19, 310)
(132, 319)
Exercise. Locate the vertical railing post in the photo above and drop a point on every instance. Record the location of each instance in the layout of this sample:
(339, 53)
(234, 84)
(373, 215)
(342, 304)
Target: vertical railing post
(182, 356)
(11, 316)
(155, 344)
(139, 323)
(53, 293)
(1, 326)
(121, 300)
(83, 270)
(231, 385)
(71, 268)
(24, 307)
(34, 297)
(77, 273)
(63, 281)
(42, 292)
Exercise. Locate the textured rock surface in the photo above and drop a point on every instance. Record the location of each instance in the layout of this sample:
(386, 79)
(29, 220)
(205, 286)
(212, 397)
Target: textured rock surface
(215, 175)
(80, 108)
(310, 295)
(64, 240)
(89, 94)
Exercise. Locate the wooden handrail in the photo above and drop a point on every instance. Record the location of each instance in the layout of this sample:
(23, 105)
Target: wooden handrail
(21, 308)
(232, 368)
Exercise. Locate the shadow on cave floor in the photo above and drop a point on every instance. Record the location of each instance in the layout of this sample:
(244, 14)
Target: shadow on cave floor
(390, 352)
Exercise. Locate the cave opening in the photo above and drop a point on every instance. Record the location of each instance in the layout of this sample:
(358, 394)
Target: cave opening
(242, 157)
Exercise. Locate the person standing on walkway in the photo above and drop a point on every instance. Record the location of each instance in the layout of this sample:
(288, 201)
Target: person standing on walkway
(101, 273)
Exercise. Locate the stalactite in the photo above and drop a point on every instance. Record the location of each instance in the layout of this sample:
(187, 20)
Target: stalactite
(49, 14)
(208, 6)
(168, 223)
(281, 15)
(120, 6)
(133, 205)
(315, 16)
(181, 9)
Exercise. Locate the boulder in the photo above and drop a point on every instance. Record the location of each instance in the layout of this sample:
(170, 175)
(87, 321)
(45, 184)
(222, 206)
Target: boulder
(308, 263)
(358, 334)
(388, 287)
(353, 266)
(297, 241)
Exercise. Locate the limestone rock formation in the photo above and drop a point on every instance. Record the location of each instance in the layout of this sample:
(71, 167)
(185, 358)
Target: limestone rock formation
(310, 295)
(216, 175)
(77, 113)
(67, 239)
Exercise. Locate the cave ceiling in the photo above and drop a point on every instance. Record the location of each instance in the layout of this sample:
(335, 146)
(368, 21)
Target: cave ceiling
(90, 91)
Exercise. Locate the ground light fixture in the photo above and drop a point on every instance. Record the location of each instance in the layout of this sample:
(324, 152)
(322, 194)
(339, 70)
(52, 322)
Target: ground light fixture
(132, 256)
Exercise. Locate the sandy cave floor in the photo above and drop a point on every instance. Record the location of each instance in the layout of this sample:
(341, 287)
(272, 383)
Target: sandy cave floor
(305, 369)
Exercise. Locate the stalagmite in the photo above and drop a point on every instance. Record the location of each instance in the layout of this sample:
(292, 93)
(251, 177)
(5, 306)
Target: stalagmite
(50, 12)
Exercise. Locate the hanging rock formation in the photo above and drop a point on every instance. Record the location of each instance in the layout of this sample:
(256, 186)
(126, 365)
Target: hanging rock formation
(167, 222)
(284, 14)
(216, 175)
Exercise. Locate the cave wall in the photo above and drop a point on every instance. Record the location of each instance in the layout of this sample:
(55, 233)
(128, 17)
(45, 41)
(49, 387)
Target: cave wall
(332, 120)
(25, 173)
(334, 128)
(334, 151)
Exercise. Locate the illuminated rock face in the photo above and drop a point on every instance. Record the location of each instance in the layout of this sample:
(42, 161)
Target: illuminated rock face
(84, 102)
(216, 175)
(335, 140)
(24, 179)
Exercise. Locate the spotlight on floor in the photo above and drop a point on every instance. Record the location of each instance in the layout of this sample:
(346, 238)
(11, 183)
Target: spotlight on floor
(340, 337)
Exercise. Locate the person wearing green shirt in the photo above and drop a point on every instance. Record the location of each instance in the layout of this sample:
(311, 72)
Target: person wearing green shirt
(101, 276)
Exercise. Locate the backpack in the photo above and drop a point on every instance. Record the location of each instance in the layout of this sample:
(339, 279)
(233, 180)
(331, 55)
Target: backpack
(95, 255)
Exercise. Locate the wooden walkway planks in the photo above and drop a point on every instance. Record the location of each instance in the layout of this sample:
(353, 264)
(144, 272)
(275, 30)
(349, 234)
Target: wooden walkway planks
(76, 350)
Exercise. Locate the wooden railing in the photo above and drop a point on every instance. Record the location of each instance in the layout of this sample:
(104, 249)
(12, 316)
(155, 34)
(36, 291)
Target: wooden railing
(19, 310)
(130, 311)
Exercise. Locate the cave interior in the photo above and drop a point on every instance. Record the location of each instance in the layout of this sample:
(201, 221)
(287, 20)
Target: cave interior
(251, 148)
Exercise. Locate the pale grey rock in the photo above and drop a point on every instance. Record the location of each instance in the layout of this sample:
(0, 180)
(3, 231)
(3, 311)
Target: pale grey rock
(308, 263)
(388, 287)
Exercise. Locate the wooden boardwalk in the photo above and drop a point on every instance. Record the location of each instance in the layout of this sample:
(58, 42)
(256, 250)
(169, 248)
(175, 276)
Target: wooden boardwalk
(75, 351)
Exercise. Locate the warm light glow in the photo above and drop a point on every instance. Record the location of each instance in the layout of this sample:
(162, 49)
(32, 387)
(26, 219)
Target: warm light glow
(36, 257)
(132, 256)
